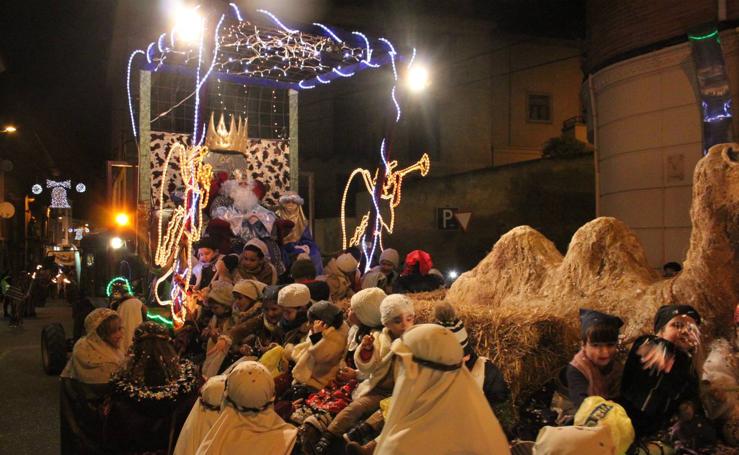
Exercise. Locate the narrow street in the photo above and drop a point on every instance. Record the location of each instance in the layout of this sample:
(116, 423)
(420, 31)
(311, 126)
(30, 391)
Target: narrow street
(29, 423)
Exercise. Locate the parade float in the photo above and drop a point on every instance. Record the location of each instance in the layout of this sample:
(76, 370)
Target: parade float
(191, 184)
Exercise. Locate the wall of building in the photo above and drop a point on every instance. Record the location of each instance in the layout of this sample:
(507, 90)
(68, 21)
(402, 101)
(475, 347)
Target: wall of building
(473, 116)
(646, 116)
(553, 196)
(616, 28)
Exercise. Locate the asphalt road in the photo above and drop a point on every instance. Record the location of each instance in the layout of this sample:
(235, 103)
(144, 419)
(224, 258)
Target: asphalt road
(29, 399)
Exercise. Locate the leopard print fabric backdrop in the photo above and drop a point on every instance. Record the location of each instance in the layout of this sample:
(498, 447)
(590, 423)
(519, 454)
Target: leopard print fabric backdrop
(267, 160)
(160, 144)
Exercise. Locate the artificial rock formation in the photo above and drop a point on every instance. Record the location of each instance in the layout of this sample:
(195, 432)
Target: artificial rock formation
(606, 269)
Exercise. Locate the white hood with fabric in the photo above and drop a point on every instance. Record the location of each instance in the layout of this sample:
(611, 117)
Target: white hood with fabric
(131, 311)
(93, 360)
(437, 407)
(248, 420)
(203, 415)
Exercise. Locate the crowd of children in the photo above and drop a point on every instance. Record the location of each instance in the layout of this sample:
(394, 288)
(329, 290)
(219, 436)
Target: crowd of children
(336, 363)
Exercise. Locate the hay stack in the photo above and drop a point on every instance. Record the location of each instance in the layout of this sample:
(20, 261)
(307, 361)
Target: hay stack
(521, 301)
(528, 344)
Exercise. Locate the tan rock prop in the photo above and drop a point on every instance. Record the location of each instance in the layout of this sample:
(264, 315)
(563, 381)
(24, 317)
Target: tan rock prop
(605, 269)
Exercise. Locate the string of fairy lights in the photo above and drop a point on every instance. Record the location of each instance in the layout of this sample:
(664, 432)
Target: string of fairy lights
(184, 227)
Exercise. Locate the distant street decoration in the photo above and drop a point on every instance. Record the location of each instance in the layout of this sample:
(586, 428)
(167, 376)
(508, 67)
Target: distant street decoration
(183, 228)
(79, 232)
(58, 192)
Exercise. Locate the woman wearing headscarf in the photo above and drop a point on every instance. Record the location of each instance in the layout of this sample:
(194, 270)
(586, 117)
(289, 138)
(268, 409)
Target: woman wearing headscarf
(203, 415)
(84, 383)
(248, 420)
(130, 309)
(97, 355)
(437, 407)
(152, 395)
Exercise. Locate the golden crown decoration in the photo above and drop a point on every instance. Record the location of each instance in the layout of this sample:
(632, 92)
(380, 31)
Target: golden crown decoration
(233, 139)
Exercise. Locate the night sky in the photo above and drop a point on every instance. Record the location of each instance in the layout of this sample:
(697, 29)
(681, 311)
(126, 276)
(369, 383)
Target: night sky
(54, 84)
(54, 87)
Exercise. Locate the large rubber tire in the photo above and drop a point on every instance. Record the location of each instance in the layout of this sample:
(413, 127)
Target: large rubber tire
(53, 349)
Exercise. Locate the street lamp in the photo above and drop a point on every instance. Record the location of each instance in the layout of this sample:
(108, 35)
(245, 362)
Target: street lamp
(122, 219)
(117, 243)
(9, 129)
(417, 78)
(188, 24)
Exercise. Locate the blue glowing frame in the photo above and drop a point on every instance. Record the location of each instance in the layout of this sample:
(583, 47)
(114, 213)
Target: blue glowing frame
(366, 54)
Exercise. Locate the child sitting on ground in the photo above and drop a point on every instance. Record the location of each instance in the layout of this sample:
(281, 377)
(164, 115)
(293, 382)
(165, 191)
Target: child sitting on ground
(317, 358)
(253, 337)
(294, 299)
(483, 370)
(247, 299)
(372, 359)
(220, 301)
(254, 266)
(662, 370)
(226, 268)
(593, 371)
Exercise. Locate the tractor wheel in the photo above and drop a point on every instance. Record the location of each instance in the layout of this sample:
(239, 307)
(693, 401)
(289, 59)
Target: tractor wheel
(53, 349)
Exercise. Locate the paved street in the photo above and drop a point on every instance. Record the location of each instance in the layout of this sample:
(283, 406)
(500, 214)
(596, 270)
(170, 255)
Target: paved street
(29, 421)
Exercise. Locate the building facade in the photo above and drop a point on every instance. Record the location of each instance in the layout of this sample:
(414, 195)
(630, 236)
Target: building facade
(645, 114)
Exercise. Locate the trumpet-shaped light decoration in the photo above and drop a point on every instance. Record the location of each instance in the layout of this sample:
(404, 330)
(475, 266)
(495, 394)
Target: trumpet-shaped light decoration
(391, 191)
(184, 227)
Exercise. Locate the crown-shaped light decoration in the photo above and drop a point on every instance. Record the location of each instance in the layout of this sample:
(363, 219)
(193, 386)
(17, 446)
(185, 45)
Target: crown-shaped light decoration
(233, 139)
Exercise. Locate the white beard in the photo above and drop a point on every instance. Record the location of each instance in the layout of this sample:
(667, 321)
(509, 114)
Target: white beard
(244, 198)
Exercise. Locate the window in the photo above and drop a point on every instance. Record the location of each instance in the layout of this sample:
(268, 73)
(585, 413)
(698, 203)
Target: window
(539, 108)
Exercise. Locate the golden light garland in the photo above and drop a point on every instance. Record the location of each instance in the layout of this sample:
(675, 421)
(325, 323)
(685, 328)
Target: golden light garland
(184, 226)
(391, 191)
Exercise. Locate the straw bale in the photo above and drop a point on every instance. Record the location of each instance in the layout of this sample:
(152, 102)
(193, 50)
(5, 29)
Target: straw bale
(528, 344)
(606, 268)
(521, 301)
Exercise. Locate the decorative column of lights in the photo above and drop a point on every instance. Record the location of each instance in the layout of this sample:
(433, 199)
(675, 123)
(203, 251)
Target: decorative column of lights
(185, 225)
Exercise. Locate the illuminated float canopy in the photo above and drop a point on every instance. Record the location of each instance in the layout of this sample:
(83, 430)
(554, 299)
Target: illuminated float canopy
(264, 51)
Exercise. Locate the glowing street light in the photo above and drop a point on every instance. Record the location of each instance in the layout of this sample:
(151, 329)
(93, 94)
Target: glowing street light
(122, 219)
(117, 243)
(9, 129)
(188, 24)
(417, 78)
